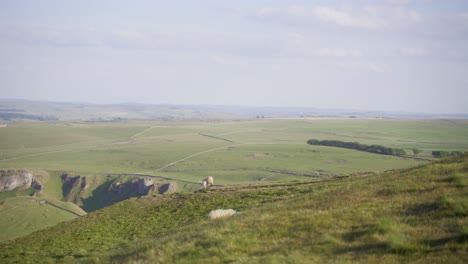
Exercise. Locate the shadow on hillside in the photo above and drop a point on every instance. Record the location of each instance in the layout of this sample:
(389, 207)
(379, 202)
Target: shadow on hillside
(61, 208)
(358, 232)
(98, 198)
(366, 248)
(422, 208)
(442, 241)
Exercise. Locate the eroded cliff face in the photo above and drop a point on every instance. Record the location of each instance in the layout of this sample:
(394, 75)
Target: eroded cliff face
(12, 179)
(74, 188)
(145, 185)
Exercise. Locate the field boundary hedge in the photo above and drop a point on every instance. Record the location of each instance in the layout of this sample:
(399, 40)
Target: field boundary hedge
(377, 149)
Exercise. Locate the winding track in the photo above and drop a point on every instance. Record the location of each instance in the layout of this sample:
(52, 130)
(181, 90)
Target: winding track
(193, 155)
(130, 139)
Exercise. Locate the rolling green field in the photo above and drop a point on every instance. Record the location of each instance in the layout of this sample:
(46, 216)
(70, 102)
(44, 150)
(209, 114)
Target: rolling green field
(233, 152)
(184, 152)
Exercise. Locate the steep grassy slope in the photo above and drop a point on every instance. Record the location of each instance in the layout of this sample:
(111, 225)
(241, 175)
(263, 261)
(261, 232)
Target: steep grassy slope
(25, 211)
(64, 197)
(130, 220)
(415, 215)
(22, 215)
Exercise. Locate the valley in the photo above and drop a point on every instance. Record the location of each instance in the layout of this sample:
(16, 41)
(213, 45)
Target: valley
(86, 169)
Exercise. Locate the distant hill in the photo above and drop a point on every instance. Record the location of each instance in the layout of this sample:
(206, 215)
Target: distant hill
(412, 215)
(11, 110)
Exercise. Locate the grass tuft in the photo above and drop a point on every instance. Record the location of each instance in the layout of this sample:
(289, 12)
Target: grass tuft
(455, 205)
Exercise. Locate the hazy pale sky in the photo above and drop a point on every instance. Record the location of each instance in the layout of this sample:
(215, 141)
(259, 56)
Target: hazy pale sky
(404, 55)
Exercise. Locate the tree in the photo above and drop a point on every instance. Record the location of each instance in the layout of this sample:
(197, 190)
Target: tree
(440, 153)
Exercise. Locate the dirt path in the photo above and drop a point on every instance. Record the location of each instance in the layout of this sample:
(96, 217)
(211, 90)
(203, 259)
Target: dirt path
(78, 148)
(122, 142)
(44, 153)
(193, 155)
(141, 132)
(239, 131)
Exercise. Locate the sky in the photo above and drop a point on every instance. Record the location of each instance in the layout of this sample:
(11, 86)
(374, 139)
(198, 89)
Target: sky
(389, 55)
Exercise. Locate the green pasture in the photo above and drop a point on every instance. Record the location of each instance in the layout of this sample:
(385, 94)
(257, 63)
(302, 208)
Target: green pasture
(21, 215)
(33, 136)
(232, 151)
(424, 134)
(259, 162)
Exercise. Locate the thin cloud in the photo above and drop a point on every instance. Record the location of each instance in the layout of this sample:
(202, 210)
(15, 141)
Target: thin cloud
(339, 53)
(464, 19)
(398, 2)
(379, 67)
(413, 52)
(228, 60)
(265, 12)
(73, 37)
(347, 19)
(297, 11)
(369, 17)
(48, 36)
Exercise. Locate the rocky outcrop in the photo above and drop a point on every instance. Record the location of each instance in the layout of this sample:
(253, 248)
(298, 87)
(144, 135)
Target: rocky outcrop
(144, 185)
(12, 179)
(73, 187)
(117, 187)
(140, 186)
(167, 188)
(70, 180)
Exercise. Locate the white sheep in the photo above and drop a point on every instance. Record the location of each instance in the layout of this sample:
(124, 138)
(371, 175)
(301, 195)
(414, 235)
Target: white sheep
(220, 213)
(208, 181)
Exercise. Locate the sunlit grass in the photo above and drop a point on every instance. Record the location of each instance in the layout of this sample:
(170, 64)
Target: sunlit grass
(343, 221)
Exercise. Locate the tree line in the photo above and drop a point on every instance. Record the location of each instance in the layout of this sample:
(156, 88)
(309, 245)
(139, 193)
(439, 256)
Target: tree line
(377, 149)
(443, 153)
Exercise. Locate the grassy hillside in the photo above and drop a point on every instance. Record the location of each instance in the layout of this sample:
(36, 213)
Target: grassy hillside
(25, 211)
(184, 152)
(412, 215)
(24, 214)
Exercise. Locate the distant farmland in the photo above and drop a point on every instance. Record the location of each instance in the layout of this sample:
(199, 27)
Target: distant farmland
(232, 151)
(106, 158)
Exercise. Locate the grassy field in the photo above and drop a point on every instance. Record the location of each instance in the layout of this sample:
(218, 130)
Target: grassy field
(22, 215)
(234, 152)
(413, 215)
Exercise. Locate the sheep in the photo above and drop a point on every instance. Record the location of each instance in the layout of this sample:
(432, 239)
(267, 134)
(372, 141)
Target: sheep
(220, 213)
(208, 181)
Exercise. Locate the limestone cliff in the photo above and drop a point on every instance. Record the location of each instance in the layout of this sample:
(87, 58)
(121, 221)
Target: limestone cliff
(144, 185)
(167, 188)
(73, 188)
(12, 179)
